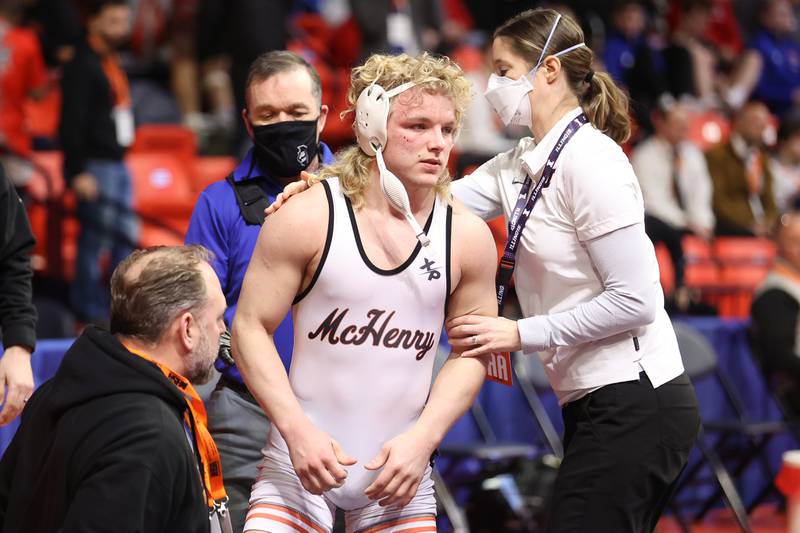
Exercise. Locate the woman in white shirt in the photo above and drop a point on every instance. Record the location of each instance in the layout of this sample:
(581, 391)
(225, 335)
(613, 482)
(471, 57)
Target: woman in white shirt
(586, 277)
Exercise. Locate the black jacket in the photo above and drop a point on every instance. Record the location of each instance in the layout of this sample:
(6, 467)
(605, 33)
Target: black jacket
(87, 129)
(17, 314)
(102, 447)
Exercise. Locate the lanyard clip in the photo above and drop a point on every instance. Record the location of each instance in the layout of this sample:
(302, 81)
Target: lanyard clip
(221, 507)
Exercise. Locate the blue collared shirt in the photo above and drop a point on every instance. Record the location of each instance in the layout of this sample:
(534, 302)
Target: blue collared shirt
(217, 224)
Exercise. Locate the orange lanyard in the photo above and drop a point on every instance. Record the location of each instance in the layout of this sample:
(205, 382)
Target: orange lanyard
(117, 78)
(204, 443)
(755, 172)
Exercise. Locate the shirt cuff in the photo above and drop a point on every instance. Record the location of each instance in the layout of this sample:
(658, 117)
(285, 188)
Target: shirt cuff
(19, 335)
(534, 334)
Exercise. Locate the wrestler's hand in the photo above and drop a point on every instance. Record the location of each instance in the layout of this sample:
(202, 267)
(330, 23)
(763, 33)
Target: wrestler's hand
(404, 460)
(317, 458)
(474, 335)
(296, 187)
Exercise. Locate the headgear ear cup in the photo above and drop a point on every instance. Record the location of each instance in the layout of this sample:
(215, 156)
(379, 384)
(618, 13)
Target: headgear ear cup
(372, 115)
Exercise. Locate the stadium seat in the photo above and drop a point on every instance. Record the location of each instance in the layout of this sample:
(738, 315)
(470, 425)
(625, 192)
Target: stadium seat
(210, 169)
(696, 250)
(162, 193)
(500, 234)
(665, 268)
(51, 215)
(708, 129)
(173, 139)
(743, 250)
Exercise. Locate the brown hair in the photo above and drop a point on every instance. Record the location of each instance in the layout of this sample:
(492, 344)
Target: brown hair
(602, 101)
(276, 61)
(169, 282)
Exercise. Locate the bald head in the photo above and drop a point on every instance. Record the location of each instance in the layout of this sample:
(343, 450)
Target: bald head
(151, 287)
(788, 238)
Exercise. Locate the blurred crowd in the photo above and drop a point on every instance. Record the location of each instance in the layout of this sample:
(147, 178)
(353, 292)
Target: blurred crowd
(713, 85)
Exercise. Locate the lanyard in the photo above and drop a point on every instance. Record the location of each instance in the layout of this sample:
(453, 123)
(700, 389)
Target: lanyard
(522, 210)
(204, 443)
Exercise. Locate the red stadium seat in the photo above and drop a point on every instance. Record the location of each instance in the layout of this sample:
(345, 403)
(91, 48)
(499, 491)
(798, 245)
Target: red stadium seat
(696, 250)
(162, 194)
(708, 129)
(210, 169)
(52, 218)
(743, 250)
(173, 139)
(665, 268)
(500, 234)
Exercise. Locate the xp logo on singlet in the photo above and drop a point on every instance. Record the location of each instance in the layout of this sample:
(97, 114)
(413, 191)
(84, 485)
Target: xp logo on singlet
(377, 330)
(431, 271)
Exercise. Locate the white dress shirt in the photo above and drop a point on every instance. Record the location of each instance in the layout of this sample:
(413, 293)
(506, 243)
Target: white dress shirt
(586, 275)
(653, 162)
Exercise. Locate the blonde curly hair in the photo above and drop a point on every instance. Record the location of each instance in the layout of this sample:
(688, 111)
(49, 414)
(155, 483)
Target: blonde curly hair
(434, 74)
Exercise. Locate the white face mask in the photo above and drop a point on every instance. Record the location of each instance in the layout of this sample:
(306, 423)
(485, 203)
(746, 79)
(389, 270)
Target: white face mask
(509, 98)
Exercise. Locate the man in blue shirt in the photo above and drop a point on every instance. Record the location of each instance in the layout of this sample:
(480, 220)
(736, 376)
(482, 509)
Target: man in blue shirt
(284, 118)
(778, 84)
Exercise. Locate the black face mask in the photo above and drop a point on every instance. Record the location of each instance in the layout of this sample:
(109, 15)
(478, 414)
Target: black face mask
(286, 148)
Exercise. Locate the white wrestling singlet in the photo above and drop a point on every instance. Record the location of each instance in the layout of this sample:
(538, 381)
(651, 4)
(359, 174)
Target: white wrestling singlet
(365, 340)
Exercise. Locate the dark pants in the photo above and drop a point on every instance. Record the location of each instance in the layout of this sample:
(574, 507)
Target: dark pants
(625, 446)
(239, 428)
(107, 224)
(660, 231)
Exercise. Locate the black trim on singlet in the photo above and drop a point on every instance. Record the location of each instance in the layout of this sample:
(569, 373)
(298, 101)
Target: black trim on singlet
(363, 253)
(447, 262)
(328, 239)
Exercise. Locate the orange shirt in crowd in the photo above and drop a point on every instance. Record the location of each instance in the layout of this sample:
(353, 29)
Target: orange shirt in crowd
(22, 70)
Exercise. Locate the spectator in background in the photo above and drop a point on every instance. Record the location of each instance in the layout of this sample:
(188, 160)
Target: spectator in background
(691, 63)
(96, 128)
(675, 183)
(632, 60)
(117, 439)
(17, 314)
(784, 163)
(626, 35)
(772, 64)
(743, 200)
(395, 26)
(58, 26)
(241, 30)
(22, 75)
(775, 313)
(161, 62)
(284, 117)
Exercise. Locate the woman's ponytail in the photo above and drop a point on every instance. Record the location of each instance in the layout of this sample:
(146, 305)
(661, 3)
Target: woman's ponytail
(607, 106)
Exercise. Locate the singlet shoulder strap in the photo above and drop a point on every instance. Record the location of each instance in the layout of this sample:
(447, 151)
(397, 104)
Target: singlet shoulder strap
(329, 195)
